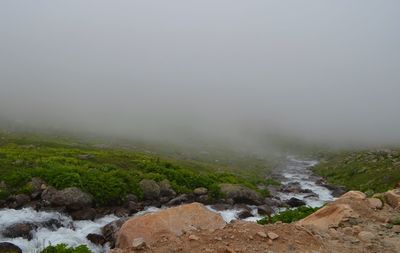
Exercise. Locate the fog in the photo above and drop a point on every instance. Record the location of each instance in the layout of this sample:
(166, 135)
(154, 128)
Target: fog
(237, 71)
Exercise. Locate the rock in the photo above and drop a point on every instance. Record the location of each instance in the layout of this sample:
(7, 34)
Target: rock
(262, 234)
(292, 187)
(393, 198)
(52, 224)
(272, 235)
(275, 202)
(84, 214)
(37, 185)
(200, 191)
(166, 189)
(375, 203)
(265, 210)
(110, 231)
(134, 207)
(131, 198)
(396, 229)
(121, 212)
(221, 207)
(336, 191)
(204, 199)
(7, 247)
(244, 214)
(151, 190)
(72, 198)
(96, 239)
(194, 238)
(48, 194)
(241, 194)
(138, 243)
(170, 222)
(354, 195)
(183, 198)
(327, 217)
(295, 202)
(366, 236)
(19, 230)
(21, 200)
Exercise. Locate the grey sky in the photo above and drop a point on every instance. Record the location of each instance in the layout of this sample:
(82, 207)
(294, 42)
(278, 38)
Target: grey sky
(321, 70)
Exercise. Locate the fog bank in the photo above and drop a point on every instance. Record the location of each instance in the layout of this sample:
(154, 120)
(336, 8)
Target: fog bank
(184, 70)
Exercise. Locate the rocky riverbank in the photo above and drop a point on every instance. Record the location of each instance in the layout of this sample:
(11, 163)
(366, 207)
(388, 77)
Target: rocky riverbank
(47, 215)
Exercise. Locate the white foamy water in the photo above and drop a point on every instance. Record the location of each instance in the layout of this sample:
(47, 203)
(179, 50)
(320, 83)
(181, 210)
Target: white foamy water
(299, 171)
(232, 214)
(72, 233)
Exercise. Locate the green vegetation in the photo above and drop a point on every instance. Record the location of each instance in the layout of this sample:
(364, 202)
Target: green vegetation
(289, 215)
(63, 248)
(108, 174)
(367, 171)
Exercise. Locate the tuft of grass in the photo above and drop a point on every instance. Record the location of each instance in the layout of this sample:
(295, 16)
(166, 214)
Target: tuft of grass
(289, 215)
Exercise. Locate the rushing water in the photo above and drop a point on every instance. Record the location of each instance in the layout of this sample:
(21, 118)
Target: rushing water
(299, 171)
(73, 233)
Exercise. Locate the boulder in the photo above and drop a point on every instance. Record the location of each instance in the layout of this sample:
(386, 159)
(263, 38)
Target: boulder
(184, 198)
(168, 223)
(265, 210)
(354, 195)
(7, 247)
(84, 214)
(166, 189)
(131, 198)
(110, 231)
(133, 207)
(72, 198)
(295, 202)
(393, 198)
(244, 214)
(151, 190)
(375, 203)
(292, 187)
(48, 194)
(241, 194)
(200, 191)
(19, 230)
(96, 239)
(336, 191)
(204, 199)
(37, 185)
(21, 200)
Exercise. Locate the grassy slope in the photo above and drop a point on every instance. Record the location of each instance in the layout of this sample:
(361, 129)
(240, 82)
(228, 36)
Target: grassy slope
(362, 170)
(111, 173)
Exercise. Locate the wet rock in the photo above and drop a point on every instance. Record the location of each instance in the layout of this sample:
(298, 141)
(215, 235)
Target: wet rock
(265, 210)
(110, 230)
(7, 247)
(166, 189)
(96, 239)
(204, 199)
(200, 191)
(84, 214)
(121, 212)
(21, 200)
(48, 194)
(275, 202)
(134, 207)
(221, 207)
(336, 191)
(244, 214)
(19, 230)
(72, 198)
(241, 194)
(292, 187)
(184, 198)
(52, 224)
(295, 202)
(131, 198)
(151, 190)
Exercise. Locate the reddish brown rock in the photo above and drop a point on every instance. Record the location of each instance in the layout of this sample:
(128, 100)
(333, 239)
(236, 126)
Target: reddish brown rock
(170, 223)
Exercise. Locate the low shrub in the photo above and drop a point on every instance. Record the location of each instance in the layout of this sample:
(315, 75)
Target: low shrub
(63, 248)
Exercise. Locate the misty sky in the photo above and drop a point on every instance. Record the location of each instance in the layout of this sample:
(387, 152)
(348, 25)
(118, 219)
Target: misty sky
(320, 70)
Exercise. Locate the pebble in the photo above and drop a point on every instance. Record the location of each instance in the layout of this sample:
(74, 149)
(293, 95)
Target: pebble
(193, 238)
(262, 234)
(366, 236)
(272, 235)
(138, 243)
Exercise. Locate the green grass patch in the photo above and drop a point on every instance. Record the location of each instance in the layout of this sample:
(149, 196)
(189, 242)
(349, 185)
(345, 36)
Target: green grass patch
(63, 248)
(289, 215)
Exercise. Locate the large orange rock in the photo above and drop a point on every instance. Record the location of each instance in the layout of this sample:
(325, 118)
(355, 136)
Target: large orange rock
(393, 198)
(168, 223)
